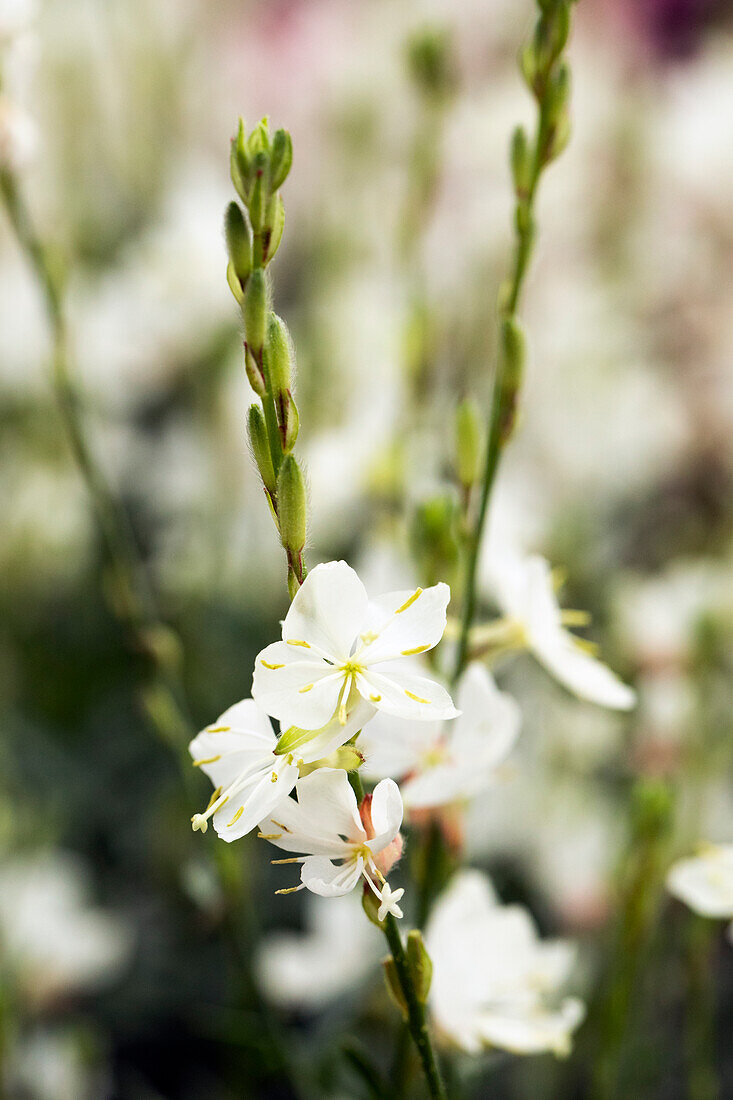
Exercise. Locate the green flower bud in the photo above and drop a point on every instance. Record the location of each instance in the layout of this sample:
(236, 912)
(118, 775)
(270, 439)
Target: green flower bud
(513, 356)
(652, 806)
(431, 63)
(392, 981)
(254, 309)
(281, 159)
(557, 115)
(291, 505)
(239, 243)
(468, 442)
(420, 964)
(239, 164)
(521, 162)
(261, 447)
(370, 904)
(258, 195)
(254, 374)
(277, 353)
(277, 223)
(259, 140)
(434, 537)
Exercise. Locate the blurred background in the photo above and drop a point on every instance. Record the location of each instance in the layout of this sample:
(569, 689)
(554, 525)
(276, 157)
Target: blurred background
(126, 970)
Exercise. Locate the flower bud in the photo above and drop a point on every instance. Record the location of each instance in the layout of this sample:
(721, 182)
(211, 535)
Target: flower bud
(261, 447)
(258, 141)
(258, 194)
(521, 162)
(288, 420)
(239, 244)
(556, 113)
(278, 355)
(392, 981)
(431, 63)
(254, 309)
(276, 224)
(291, 505)
(420, 964)
(281, 159)
(239, 164)
(468, 442)
(513, 355)
(370, 904)
(254, 374)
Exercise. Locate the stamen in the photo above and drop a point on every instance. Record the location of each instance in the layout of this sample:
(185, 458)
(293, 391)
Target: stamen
(236, 817)
(308, 687)
(266, 664)
(218, 729)
(295, 641)
(291, 889)
(273, 777)
(417, 649)
(280, 862)
(572, 617)
(269, 836)
(208, 760)
(280, 825)
(408, 603)
(417, 698)
(375, 698)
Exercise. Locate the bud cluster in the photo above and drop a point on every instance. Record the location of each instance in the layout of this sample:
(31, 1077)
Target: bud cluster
(259, 166)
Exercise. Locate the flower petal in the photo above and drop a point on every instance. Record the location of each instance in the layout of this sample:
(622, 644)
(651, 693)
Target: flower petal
(325, 812)
(262, 793)
(235, 740)
(328, 610)
(296, 689)
(486, 713)
(311, 745)
(705, 882)
(405, 695)
(404, 623)
(393, 748)
(329, 880)
(386, 814)
(533, 1031)
(584, 675)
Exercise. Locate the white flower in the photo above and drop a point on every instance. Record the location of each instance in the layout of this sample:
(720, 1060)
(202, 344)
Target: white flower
(705, 882)
(493, 979)
(524, 590)
(451, 761)
(238, 754)
(338, 646)
(334, 954)
(18, 136)
(326, 824)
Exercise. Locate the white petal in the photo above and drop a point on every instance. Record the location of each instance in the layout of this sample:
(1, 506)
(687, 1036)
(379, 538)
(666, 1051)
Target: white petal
(246, 717)
(533, 1031)
(581, 673)
(404, 695)
(325, 812)
(386, 814)
(392, 747)
(405, 623)
(313, 745)
(705, 882)
(486, 712)
(259, 798)
(328, 609)
(330, 881)
(282, 686)
(234, 741)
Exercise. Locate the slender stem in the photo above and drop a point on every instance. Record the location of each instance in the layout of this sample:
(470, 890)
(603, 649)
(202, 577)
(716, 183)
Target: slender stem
(703, 1081)
(416, 1016)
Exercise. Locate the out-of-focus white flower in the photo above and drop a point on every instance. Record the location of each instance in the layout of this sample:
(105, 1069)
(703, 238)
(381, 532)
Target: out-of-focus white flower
(326, 823)
(15, 16)
(18, 136)
(443, 762)
(53, 940)
(523, 588)
(334, 954)
(338, 646)
(705, 882)
(53, 1065)
(250, 778)
(494, 980)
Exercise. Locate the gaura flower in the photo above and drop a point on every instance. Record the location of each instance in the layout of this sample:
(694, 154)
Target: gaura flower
(524, 590)
(239, 753)
(494, 980)
(338, 647)
(438, 763)
(705, 882)
(341, 845)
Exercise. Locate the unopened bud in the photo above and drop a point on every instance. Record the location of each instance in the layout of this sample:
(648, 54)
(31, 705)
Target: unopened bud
(239, 244)
(259, 140)
(258, 195)
(278, 354)
(261, 447)
(281, 159)
(254, 309)
(420, 964)
(521, 162)
(431, 62)
(291, 505)
(392, 981)
(276, 223)
(468, 442)
(651, 808)
(513, 356)
(239, 164)
(370, 904)
(556, 113)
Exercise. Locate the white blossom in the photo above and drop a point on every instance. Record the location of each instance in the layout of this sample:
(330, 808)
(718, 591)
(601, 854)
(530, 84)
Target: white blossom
(705, 882)
(250, 778)
(341, 845)
(338, 646)
(524, 589)
(495, 983)
(438, 763)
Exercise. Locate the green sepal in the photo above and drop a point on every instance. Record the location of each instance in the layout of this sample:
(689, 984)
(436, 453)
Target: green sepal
(239, 241)
(281, 159)
(278, 354)
(420, 964)
(234, 284)
(392, 981)
(239, 165)
(277, 225)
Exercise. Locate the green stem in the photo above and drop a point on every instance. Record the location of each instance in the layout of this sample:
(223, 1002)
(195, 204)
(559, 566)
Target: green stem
(703, 1082)
(416, 1016)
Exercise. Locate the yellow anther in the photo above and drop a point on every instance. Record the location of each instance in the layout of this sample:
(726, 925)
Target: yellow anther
(290, 758)
(273, 777)
(289, 890)
(368, 637)
(571, 617)
(417, 649)
(214, 795)
(279, 862)
(269, 836)
(308, 687)
(236, 817)
(208, 760)
(375, 698)
(267, 664)
(417, 698)
(218, 729)
(295, 641)
(408, 603)
(280, 825)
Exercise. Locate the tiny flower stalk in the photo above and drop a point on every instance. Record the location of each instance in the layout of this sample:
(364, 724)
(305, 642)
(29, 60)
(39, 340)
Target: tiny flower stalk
(548, 79)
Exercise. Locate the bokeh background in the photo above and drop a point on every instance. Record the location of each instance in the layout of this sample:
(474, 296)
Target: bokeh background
(125, 970)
